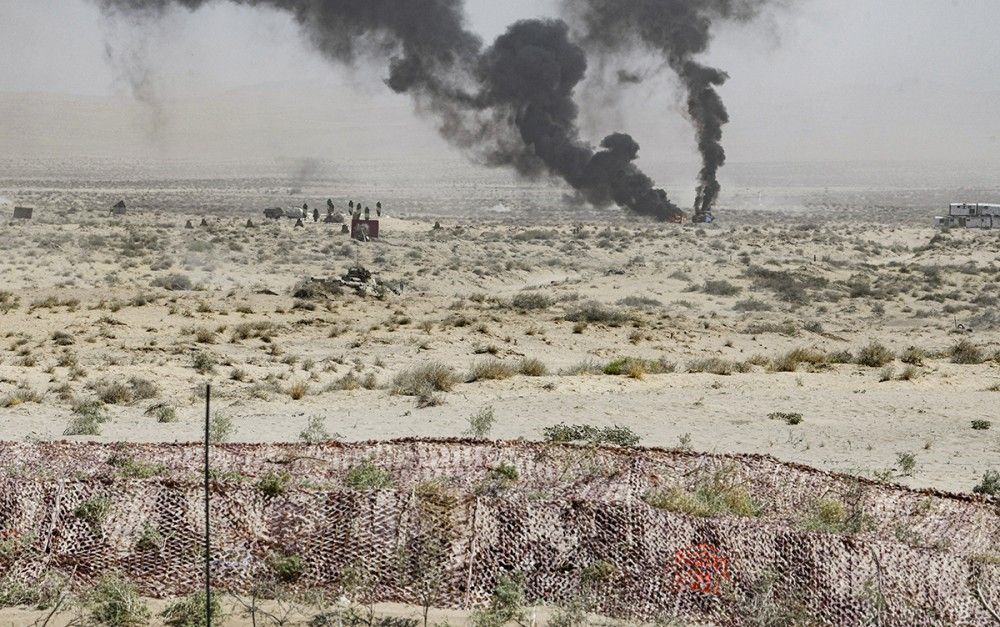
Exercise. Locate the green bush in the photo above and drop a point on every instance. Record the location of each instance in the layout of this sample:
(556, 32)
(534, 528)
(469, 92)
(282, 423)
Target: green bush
(481, 423)
(131, 468)
(190, 611)
(367, 476)
(151, 539)
(115, 602)
(220, 428)
(315, 431)
(287, 568)
(990, 485)
(506, 604)
(830, 515)
(94, 510)
(715, 495)
(274, 483)
(792, 418)
(622, 436)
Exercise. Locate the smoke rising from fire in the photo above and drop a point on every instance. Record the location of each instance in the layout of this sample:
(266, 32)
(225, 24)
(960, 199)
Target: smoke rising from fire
(678, 30)
(511, 104)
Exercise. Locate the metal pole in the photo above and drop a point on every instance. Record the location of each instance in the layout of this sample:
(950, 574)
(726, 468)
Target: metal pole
(208, 549)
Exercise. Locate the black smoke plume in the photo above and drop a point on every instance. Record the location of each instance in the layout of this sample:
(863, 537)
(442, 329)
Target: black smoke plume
(678, 30)
(528, 76)
(512, 103)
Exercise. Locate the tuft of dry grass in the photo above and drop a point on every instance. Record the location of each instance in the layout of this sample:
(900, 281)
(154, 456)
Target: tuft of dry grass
(717, 365)
(298, 390)
(420, 380)
(790, 361)
(490, 370)
(965, 352)
(531, 367)
(874, 355)
(24, 393)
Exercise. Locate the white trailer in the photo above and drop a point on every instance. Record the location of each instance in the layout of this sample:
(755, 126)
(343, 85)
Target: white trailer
(970, 216)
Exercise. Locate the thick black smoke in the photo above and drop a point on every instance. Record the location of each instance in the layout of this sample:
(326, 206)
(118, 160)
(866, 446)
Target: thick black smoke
(512, 103)
(677, 29)
(528, 76)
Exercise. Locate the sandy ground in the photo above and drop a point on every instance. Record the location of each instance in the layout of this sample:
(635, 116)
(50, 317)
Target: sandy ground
(236, 614)
(111, 327)
(87, 309)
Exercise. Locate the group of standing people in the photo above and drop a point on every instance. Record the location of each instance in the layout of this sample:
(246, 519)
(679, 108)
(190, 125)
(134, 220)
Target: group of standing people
(354, 208)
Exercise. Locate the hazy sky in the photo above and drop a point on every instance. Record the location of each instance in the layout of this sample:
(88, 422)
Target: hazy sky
(826, 80)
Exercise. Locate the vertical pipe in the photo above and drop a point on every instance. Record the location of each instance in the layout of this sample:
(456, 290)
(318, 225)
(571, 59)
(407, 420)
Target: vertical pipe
(208, 550)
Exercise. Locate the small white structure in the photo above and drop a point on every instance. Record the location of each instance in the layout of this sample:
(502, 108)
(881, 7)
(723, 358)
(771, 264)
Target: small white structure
(970, 215)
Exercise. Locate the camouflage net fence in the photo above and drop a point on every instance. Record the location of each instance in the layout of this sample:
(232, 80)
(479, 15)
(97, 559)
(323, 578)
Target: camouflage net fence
(626, 532)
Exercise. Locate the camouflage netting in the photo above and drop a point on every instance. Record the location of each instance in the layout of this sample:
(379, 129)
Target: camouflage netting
(574, 521)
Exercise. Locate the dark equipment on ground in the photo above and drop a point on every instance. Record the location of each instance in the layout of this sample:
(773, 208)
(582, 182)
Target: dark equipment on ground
(119, 208)
(23, 213)
(363, 230)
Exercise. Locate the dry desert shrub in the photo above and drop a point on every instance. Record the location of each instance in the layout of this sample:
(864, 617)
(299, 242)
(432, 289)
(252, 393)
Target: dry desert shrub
(481, 423)
(115, 602)
(315, 431)
(531, 367)
(595, 312)
(790, 361)
(203, 335)
(640, 302)
(638, 368)
(23, 393)
(123, 393)
(720, 287)
(531, 301)
(874, 355)
(173, 282)
(428, 378)
(191, 611)
(717, 365)
(298, 390)
(965, 352)
(8, 301)
(913, 356)
(204, 362)
(751, 305)
(490, 370)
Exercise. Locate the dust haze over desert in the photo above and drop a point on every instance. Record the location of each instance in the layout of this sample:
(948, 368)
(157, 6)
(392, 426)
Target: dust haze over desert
(590, 297)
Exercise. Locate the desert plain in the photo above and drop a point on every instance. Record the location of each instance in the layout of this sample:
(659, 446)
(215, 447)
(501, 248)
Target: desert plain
(841, 331)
